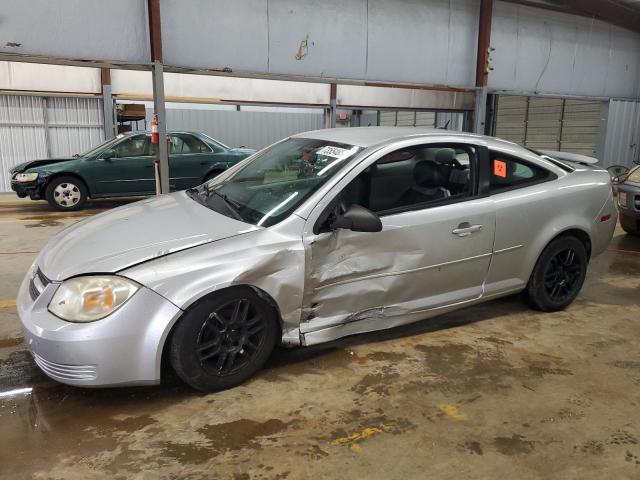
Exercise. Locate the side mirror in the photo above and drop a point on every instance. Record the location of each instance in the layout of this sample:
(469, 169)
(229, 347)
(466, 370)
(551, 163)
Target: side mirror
(109, 154)
(358, 219)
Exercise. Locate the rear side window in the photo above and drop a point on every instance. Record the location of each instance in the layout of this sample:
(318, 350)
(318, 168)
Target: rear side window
(181, 144)
(509, 172)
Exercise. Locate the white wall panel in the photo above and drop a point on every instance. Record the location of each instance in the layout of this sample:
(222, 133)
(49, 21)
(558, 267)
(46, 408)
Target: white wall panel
(49, 78)
(418, 41)
(80, 29)
(132, 83)
(355, 95)
(422, 41)
(540, 51)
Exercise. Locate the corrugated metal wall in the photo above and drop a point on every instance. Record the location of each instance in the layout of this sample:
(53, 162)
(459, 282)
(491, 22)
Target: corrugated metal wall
(22, 135)
(34, 127)
(623, 134)
(75, 125)
(249, 129)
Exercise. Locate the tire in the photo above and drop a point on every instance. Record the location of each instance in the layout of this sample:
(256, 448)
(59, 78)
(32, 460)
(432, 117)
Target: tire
(558, 275)
(213, 348)
(629, 224)
(66, 193)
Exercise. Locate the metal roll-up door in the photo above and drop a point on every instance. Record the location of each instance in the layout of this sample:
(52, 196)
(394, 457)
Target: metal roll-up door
(580, 126)
(407, 118)
(511, 115)
(566, 125)
(544, 117)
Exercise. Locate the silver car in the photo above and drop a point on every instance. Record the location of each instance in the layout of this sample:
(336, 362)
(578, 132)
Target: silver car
(322, 235)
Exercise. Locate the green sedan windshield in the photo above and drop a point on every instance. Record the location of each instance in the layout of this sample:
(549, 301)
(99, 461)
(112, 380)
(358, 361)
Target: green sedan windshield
(95, 150)
(274, 182)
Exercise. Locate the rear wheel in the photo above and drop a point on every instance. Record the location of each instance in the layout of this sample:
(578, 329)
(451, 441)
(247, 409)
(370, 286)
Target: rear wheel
(66, 193)
(223, 340)
(558, 275)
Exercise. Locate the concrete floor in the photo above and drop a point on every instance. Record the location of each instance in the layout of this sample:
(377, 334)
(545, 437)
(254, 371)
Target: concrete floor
(492, 391)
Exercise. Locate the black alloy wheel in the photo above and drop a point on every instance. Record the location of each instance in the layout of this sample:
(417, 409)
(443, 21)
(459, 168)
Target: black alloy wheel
(558, 275)
(223, 339)
(230, 336)
(562, 275)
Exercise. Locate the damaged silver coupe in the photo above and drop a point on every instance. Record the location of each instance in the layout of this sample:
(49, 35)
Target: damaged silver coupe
(322, 235)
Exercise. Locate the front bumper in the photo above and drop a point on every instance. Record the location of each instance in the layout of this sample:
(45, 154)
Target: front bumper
(124, 348)
(629, 210)
(31, 189)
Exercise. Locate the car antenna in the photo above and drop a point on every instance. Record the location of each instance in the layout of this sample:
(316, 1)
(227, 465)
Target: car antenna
(446, 125)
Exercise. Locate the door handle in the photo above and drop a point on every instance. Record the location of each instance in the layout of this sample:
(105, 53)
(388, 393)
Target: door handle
(465, 229)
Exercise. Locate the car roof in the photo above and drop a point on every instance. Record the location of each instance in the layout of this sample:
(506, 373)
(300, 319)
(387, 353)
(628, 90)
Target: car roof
(138, 132)
(368, 136)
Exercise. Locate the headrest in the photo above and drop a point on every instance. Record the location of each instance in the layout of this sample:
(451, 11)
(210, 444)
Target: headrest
(427, 174)
(445, 156)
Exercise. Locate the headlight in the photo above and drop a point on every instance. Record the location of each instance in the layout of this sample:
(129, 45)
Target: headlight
(25, 177)
(86, 299)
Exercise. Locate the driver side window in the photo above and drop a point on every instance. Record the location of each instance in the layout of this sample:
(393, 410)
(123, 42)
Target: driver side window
(414, 178)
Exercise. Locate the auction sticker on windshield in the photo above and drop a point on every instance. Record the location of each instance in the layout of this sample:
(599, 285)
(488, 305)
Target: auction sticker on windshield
(335, 152)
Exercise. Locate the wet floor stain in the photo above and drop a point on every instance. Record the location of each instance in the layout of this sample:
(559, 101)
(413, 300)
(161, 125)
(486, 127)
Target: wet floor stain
(463, 368)
(188, 453)
(243, 433)
(379, 382)
(43, 223)
(592, 447)
(514, 445)
(472, 447)
(11, 342)
(625, 364)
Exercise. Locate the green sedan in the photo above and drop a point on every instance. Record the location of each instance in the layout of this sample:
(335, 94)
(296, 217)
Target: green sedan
(122, 167)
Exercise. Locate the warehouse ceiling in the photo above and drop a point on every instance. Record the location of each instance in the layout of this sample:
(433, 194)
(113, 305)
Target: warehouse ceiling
(624, 13)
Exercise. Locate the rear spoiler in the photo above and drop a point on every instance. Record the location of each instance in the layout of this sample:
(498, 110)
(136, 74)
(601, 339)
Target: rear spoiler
(569, 157)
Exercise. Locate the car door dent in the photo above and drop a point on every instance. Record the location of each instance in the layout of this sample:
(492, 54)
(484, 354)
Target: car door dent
(412, 270)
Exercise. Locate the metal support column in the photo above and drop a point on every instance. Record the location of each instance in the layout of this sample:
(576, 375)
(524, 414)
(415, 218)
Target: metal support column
(107, 104)
(162, 153)
(483, 65)
(332, 112)
(162, 157)
(480, 111)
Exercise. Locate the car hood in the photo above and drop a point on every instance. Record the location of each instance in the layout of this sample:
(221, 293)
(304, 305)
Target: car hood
(128, 235)
(39, 163)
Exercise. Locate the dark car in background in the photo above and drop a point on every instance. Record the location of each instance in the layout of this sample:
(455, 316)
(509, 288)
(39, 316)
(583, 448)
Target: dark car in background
(629, 201)
(122, 167)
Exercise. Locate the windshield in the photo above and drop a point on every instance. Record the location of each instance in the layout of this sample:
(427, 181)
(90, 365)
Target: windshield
(95, 150)
(215, 142)
(275, 181)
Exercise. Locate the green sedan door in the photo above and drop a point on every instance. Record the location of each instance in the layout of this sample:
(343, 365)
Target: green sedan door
(125, 169)
(190, 159)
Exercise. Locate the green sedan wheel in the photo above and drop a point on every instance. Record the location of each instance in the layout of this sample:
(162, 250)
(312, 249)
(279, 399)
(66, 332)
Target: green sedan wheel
(66, 193)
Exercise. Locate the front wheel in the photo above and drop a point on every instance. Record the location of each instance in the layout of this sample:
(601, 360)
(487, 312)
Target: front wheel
(223, 340)
(66, 193)
(558, 275)
(630, 224)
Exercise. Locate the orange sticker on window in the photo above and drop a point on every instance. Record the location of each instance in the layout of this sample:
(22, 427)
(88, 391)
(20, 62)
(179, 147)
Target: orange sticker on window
(500, 168)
